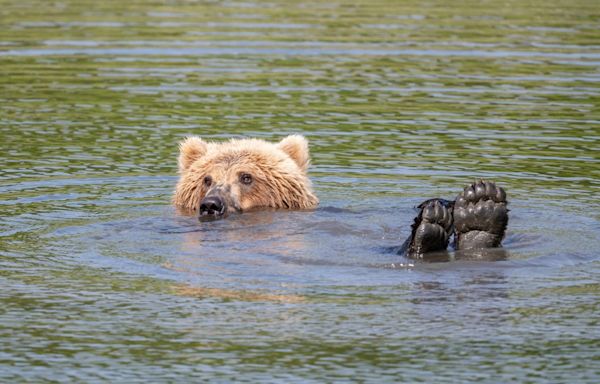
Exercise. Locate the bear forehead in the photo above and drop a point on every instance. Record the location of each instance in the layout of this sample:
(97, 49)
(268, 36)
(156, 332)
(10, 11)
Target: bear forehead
(257, 158)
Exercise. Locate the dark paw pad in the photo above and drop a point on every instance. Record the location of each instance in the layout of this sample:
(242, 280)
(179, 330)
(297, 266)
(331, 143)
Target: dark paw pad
(480, 216)
(431, 229)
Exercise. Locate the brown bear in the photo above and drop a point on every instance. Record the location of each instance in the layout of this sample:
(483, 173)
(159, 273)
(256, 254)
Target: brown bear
(243, 174)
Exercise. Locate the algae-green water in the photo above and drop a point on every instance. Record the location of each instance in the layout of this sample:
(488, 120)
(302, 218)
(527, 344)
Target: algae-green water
(104, 281)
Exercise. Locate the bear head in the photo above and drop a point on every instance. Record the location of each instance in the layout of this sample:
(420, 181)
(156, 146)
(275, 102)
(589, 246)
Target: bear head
(243, 174)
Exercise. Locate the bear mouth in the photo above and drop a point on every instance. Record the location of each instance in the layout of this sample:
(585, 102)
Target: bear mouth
(211, 215)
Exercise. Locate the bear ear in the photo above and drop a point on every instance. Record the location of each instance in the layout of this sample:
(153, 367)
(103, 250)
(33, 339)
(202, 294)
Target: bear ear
(296, 147)
(190, 150)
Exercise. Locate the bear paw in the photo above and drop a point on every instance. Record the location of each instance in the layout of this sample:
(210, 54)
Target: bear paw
(432, 228)
(480, 216)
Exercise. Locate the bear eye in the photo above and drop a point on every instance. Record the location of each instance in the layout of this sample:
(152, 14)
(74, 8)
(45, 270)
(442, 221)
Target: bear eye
(208, 181)
(246, 178)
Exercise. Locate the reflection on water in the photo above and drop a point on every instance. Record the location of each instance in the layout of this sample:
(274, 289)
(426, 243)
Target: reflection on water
(401, 101)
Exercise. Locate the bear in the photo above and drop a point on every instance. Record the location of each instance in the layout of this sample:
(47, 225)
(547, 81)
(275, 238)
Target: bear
(238, 175)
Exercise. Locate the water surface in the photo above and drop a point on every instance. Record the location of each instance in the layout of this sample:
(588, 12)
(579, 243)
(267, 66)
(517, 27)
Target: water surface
(103, 280)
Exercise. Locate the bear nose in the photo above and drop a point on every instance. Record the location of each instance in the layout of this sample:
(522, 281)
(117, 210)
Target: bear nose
(212, 205)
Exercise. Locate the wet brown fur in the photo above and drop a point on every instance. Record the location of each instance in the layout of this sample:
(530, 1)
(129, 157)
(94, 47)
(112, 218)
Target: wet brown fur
(279, 173)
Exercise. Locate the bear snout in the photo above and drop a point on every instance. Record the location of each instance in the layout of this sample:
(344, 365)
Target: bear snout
(212, 206)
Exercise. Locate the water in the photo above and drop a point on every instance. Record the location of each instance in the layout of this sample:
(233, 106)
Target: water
(104, 281)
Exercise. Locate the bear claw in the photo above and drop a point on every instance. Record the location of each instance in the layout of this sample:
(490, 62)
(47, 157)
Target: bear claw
(432, 228)
(480, 216)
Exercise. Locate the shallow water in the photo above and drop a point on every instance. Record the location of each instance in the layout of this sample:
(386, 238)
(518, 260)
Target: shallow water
(103, 280)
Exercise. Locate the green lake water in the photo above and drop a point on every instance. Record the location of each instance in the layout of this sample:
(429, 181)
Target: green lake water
(103, 280)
